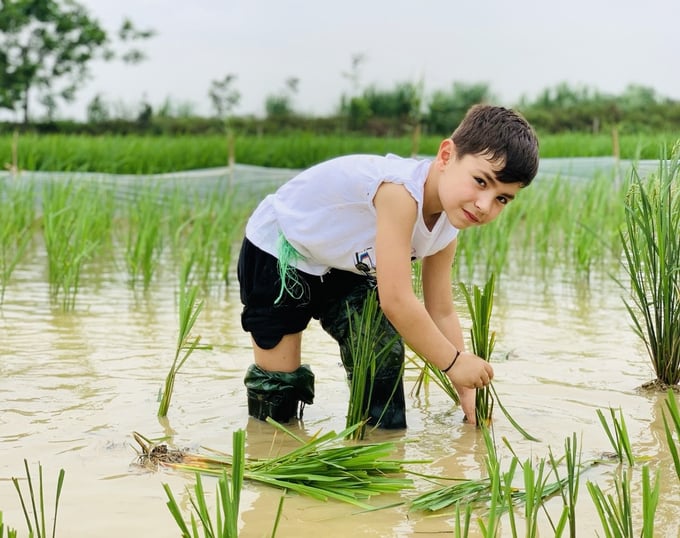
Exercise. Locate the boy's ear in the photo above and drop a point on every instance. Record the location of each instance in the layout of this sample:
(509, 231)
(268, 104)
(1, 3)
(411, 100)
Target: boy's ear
(447, 150)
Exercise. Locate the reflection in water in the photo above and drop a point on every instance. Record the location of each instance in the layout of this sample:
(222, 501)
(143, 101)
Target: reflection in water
(73, 388)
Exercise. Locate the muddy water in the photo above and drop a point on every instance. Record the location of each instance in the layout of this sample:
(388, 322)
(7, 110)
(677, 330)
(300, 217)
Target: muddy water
(73, 388)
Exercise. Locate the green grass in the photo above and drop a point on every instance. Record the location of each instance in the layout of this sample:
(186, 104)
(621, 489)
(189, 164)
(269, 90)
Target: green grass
(136, 154)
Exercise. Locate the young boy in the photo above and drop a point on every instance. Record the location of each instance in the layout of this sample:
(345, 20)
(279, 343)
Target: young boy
(344, 227)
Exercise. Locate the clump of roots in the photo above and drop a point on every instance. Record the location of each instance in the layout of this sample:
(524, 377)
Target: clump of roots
(656, 385)
(153, 454)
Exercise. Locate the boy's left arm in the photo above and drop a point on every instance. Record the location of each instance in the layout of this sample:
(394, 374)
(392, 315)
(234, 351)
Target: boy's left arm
(438, 298)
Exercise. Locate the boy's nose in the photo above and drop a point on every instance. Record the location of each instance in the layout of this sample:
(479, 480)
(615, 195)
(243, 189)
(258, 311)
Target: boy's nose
(484, 203)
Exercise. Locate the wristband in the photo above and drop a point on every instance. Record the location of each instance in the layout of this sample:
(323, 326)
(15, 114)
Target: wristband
(452, 362)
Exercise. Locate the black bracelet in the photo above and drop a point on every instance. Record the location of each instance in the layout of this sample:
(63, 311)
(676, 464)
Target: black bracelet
(452, 362)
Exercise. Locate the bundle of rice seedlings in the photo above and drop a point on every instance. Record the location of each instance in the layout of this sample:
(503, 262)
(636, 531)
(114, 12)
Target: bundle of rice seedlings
(368, 349)
(322, 468)
(480, 305)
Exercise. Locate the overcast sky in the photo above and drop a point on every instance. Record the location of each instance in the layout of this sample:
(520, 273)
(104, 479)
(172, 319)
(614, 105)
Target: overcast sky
(518, 47)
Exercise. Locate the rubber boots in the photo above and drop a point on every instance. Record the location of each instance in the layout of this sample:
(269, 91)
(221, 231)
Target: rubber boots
(279, 395)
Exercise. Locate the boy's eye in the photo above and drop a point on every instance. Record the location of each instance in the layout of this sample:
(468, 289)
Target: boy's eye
(481, 181)
(503, 200)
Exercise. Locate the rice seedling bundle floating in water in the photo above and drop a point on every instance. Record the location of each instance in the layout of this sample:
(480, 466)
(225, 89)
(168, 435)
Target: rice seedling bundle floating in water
(324, 468)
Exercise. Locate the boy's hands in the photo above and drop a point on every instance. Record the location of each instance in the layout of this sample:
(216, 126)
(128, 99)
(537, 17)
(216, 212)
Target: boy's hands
(470, 372)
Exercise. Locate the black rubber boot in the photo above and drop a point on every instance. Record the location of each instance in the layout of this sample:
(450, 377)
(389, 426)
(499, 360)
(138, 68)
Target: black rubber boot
(387, 408)
(279, 395)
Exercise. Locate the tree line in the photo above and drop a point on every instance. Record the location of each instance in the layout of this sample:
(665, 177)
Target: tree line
(47, 46)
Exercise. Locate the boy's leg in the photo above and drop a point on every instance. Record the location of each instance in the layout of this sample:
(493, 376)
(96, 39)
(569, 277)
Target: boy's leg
(387, 406)
(278, 386)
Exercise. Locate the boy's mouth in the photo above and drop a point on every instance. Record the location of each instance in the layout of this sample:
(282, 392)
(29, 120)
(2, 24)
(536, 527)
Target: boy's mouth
(471, 217)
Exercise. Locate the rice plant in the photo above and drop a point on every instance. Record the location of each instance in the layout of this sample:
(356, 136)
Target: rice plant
(17, 207)
(651, 244)
(144, 240)
(189, 309)
(570, 492)
(673, 443)
(228, 494)
(37, 526)
(616, 511)
(368, 349)
(430, 373)
(68, 213)
(11, 532)
(480, 305)
(208, 225)
(618, 436)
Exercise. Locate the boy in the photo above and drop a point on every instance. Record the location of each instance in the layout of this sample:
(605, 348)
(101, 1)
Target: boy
(352, 224)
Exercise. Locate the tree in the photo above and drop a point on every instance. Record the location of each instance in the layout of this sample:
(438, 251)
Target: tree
(46, 47)
(224, 98)
(447, 109)
(281, 104)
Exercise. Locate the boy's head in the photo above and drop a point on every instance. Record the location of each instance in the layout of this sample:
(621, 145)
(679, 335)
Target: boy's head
(502, 135)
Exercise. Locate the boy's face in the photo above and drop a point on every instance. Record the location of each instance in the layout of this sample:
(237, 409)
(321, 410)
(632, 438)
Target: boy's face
(469, 192)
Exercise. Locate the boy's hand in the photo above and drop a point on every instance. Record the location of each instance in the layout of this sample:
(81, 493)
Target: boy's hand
(467, 402)
(470, 372)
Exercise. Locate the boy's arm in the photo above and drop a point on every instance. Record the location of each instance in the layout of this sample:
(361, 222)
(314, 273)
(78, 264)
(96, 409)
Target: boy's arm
(396, 217)
(436, 279)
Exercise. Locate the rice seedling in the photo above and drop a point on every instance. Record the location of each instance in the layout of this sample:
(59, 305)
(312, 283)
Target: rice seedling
(144, 241)
(616, 511)
(618, 436)
(570, 492)
(496, 489)
(368, 349)
(463, 517)
(38, 511)
(207, 234)
(651, 245)
(427, 373)
(67, 218)
(11, 532)
(189, 309)
(673, 444)
(480, 305)
(228, 494)
(17, 207)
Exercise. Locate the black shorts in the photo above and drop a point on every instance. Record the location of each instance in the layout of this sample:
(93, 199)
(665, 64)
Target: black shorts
(269, 319)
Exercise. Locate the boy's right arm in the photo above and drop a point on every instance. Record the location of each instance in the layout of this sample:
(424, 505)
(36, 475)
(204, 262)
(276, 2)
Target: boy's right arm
(396, 216)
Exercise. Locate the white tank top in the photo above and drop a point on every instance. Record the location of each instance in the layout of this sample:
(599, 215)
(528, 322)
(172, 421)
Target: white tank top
(327, 214)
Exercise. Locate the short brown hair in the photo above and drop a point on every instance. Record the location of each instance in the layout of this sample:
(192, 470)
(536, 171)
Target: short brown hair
(504, 136)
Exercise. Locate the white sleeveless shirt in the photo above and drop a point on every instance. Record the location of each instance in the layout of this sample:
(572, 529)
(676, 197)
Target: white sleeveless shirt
(327, 214)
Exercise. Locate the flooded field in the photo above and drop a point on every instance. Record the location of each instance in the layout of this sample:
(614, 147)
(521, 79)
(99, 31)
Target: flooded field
(75, 385)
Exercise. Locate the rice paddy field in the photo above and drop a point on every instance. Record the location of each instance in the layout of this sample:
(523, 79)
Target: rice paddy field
(94, 267)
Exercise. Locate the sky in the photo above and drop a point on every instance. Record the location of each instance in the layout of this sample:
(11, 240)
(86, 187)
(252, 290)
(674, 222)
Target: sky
(517, 47)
